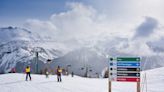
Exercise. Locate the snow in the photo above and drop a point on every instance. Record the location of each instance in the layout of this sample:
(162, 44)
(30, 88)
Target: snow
(16, 83)
(155, 80)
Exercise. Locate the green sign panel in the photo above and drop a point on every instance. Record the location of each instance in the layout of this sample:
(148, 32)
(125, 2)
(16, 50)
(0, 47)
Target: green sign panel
(128, 59)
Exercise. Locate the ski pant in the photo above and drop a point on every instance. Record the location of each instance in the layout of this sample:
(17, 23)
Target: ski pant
(59, 78)
(28, 75)
(46, 75)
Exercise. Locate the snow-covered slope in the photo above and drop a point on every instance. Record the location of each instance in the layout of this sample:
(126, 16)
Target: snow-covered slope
(155, 80)
(17, 83)
(18, 47)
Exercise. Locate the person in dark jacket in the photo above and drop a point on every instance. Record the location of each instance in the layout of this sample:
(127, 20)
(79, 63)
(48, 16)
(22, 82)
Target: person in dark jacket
(59, 71)
(72, 74)
(28, 73)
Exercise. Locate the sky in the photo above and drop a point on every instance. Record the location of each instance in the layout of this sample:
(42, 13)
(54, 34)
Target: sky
(96, 20)
(14, 12)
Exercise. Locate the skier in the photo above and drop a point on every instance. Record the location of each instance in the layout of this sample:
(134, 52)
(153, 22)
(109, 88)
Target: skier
(28, 73)
(59, 71)
(46, 72)
(13, 70)
(72, 74)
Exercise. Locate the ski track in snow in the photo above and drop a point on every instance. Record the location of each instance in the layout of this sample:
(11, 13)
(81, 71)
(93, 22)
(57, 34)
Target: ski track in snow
(16, 83)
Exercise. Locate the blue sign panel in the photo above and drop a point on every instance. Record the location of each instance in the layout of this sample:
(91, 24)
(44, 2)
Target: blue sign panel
(128, 64)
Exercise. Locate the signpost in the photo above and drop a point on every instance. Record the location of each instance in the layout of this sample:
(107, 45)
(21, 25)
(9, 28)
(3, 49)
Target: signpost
(125, 69)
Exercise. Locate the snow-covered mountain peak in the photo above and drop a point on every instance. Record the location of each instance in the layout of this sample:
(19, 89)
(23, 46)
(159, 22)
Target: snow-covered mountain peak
(17, 48)
(14, 33)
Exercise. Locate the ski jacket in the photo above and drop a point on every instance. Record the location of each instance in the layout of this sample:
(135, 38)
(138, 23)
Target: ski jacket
(27, 70)
(59, 71)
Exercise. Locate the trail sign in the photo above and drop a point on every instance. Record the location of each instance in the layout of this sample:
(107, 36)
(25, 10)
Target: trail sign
(128, 79)
(128, 59)
(124, 69)
(128, 74)
(128, 68)
(127, 64)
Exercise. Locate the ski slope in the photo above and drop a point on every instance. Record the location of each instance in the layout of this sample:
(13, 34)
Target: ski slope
(17, 83)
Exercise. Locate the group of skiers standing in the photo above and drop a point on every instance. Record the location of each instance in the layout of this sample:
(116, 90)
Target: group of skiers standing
(58, 72)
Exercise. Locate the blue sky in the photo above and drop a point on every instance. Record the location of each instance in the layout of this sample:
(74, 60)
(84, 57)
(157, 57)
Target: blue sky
(16, 11)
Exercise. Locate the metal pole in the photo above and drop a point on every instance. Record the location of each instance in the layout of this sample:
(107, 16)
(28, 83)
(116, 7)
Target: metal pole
(37, 54)
(86, 71)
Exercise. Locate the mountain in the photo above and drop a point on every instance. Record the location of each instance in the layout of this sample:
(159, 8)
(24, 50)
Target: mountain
(10, 34)
(83, 62)
(18, 48)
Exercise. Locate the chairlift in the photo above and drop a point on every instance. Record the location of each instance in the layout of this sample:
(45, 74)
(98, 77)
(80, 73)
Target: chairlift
(8, 52)
(68, 65)
(48, 60)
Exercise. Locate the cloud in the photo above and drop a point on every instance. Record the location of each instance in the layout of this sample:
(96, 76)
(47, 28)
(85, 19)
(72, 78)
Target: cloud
(79, 22)
(82, 25)
(139, 48)
(146, 28)
(130, 9)
(76, 22)
(43, 28)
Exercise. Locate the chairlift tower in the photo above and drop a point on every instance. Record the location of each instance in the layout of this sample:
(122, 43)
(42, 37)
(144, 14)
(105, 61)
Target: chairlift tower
(36, 61)
(36, 51)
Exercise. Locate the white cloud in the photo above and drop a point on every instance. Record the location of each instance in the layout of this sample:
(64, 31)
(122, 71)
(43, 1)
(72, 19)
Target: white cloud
(85, 25)
(44, 28)
(147, 28)
(139, 48)
(79, 22)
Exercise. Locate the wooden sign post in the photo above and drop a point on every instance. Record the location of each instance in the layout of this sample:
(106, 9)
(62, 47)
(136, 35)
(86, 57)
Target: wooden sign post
(110, 86)
(138, 87)
(109, 81)
(124, 69)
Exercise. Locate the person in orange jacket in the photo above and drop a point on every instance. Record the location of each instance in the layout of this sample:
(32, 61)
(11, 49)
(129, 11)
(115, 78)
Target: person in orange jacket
(27, 70)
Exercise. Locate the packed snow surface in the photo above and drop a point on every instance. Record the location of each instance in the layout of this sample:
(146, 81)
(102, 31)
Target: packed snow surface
(39, 83)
